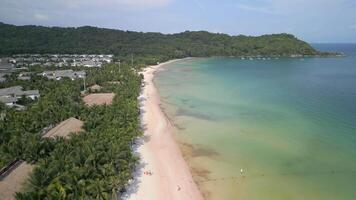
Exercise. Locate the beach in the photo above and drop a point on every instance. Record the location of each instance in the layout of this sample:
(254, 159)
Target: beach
(169, 176)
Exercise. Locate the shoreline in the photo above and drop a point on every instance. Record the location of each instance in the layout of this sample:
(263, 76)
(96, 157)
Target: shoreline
(159, 152)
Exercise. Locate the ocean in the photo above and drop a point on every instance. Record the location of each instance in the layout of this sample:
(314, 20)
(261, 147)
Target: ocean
(268, 129)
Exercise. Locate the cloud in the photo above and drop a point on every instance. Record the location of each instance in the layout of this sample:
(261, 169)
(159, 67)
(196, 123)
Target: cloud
(143, 3)
(199, 4)
(290, 6)
(40, 17)
(97, 5)
(352, 27)
(75, 12)
(117, 4)
(253, 8)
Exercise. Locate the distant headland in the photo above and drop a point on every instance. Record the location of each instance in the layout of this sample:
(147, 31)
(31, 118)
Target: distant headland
(93, 40)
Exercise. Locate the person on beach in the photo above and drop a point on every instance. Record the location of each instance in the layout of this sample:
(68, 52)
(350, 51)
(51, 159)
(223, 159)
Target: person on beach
(241, 172)
(178, 188)
(148, 173)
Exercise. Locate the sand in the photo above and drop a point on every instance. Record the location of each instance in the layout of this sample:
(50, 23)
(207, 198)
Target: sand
(160, 154)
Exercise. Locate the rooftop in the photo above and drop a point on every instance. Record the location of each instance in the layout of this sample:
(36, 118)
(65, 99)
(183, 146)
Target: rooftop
(64, 73)
(10, 90)
(71, 125)
(14, 181)
(6, 100)
(17, 91)
(99, 99)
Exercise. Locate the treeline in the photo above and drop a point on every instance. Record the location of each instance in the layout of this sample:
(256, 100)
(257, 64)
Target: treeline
(151, 46)
(94, 164)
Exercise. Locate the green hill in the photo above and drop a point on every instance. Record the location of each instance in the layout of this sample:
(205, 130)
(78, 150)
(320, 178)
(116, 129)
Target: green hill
(39, 39)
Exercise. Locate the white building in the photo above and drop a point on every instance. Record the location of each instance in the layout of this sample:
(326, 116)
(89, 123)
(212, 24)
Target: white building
(11, 95)
(59, 74)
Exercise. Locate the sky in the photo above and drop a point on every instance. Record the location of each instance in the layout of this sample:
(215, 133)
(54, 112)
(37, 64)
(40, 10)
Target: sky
(310, 20)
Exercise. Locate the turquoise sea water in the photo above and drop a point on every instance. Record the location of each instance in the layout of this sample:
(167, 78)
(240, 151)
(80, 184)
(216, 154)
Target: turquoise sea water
(290, 124)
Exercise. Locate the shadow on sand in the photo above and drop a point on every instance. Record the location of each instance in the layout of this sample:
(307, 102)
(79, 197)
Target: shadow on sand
(133, 184)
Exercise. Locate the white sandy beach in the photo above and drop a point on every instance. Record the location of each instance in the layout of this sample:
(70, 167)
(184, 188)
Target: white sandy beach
(160, 154)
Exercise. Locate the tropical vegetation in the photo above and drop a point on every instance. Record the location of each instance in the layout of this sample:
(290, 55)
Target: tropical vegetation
(94, 164)
(151, 46)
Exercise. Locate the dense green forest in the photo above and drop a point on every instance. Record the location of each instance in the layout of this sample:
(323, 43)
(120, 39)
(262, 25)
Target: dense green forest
(38, 39)
(94, 164)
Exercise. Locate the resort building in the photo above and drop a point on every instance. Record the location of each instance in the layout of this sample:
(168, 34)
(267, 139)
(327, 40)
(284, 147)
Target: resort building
(2, 77)
(59, 74)
(9, 96)
(57, 60)
(9, 101)
(24, 76)
(95, 88)
(91, 63)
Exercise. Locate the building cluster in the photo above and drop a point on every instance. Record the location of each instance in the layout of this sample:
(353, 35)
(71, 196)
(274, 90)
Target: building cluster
(18, 62)
(2, 77)
(58, 60)
(59, 74)
(5, 69)
(11, 95)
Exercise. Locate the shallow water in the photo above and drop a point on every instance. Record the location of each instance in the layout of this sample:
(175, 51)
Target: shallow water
(290, 124)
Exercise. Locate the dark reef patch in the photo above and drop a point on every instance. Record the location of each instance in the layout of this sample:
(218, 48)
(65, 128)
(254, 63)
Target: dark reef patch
(185, 112)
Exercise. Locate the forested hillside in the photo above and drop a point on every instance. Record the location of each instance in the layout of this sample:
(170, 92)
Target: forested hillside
(38, 39)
